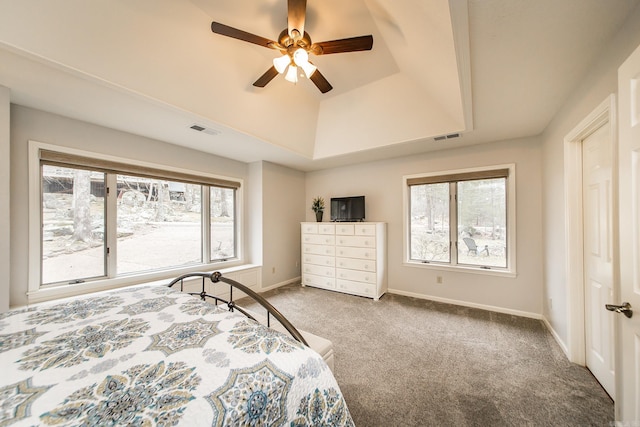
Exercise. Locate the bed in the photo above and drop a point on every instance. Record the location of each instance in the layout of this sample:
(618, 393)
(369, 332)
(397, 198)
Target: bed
(153, 355)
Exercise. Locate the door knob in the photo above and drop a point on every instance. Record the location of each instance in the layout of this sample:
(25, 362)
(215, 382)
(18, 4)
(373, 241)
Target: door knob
(625, 309)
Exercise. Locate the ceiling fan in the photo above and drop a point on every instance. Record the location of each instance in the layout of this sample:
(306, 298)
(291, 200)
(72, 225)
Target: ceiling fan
(295, 45)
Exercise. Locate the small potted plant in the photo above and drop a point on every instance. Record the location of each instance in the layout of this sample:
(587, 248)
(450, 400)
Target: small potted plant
(318, 207)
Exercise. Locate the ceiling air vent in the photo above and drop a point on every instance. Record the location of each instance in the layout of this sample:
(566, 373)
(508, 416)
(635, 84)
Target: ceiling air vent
(205, 130)
(443, 137)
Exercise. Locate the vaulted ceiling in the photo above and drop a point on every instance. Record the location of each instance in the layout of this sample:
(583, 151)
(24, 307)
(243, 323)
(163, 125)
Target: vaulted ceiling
(485, 69)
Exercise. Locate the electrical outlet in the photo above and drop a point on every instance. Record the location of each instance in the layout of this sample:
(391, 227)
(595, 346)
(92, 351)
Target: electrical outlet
(273, 270)
(550, 303)
(439, 280)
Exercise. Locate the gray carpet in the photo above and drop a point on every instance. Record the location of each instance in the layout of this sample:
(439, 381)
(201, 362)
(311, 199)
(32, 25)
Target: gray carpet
(403, 361)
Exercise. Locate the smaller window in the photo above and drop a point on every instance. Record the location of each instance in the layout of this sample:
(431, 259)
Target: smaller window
(462, 219)
(223, 223)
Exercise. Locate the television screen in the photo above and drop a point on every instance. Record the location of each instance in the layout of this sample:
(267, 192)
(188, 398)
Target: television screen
(347, 208)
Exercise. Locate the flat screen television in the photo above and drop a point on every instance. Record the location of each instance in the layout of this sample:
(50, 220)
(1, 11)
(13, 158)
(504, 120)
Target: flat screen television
(347, 208)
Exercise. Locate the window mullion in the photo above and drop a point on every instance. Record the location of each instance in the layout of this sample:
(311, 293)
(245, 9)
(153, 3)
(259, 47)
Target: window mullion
(111, 226)
(453, 223)
(205, 208)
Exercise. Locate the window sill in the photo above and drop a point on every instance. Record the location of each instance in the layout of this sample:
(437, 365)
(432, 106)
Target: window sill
(51, 292)
(462, 269)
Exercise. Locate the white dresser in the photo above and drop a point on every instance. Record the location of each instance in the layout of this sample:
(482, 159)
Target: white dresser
(348, 257)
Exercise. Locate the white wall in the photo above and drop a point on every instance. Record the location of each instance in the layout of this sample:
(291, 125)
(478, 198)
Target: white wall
(381, 184)
(29, 124)
(277, 196)
(254, 196)
(591, 91)
(5, 226)
(283, 210)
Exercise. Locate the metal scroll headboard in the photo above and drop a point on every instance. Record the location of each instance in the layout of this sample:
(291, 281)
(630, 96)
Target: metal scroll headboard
(216, 277)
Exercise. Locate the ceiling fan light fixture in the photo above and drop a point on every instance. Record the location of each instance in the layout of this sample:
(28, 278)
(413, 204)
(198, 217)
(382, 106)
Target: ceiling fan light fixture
(281, 63)
(300, 56)
(308, 69)
(301, 59)
(292, 74)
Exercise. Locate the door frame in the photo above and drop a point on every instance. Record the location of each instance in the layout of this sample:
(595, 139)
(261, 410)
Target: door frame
(574, 225)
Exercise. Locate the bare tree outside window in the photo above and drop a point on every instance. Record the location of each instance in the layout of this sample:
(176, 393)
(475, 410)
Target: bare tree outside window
(482, 222)
(82, 205)
(430, 222)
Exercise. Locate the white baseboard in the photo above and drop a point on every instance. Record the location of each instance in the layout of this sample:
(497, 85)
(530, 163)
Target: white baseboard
(278, 285)
(468, 304)
(555, 336)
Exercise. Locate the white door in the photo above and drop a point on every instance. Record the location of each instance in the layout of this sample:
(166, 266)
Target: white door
(598, 255)
(628, 337)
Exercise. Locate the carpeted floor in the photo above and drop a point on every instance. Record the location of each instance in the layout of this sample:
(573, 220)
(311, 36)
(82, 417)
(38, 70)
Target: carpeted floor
(403, 361)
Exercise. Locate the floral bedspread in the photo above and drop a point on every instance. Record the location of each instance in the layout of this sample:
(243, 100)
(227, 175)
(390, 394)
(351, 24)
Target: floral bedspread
(154, 356)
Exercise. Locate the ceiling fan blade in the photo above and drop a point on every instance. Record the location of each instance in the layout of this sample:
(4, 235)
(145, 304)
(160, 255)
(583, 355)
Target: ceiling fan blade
(352, 44)
(297, 10)
(266, 77)
(321, 83)
(235, 33)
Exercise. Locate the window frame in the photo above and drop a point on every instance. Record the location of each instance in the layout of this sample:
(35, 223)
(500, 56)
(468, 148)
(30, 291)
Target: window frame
(39, 292)
(449, 176)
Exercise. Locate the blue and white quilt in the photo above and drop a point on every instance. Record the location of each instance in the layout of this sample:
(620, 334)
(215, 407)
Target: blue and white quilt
(155, 356)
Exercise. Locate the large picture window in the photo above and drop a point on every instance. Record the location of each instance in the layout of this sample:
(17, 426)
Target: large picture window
(461, 219)
(107, 219)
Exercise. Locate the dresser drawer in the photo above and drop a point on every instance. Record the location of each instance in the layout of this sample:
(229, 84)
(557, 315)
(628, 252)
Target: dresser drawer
(327, 261)
(318, 281)
(326, 229)
(357, 288)
(319, 270)
(319, 239)
(355, 275)
(318, 249)
(345, 229)
(365, 230)
(356, 264)
(356, 241)
(309, 228)
(349, 252)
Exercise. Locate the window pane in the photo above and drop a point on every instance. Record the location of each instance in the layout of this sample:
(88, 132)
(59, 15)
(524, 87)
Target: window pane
(159, 224)
(73, 226)
(223, 242)
(430, 222)
(482, 222)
